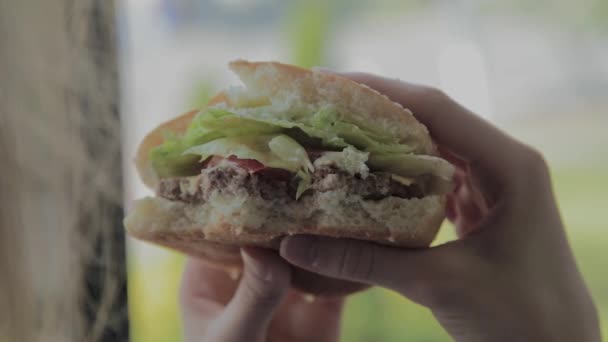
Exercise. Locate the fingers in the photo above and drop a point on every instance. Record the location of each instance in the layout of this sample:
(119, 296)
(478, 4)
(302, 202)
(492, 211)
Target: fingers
(406, 271)
(265, 282)
(468, 212)
(459, 132)
(205, 288)
(452, 125)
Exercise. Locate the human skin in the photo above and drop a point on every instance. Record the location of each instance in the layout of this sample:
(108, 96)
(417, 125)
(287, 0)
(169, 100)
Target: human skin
(510, 276)
(258, 306)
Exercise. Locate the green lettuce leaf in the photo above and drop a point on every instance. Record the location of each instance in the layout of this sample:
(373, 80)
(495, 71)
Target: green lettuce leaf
(410, 165)
(228, 124)
(327, 120)
(351, 160)
(304, 183)
(168, 159)
(276, 151)
(278, 142)
(289, 150)
(328, 137)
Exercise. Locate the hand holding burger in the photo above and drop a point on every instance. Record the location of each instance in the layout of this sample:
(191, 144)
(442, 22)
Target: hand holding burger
(259, 307)
(331, 158)
(511, 276)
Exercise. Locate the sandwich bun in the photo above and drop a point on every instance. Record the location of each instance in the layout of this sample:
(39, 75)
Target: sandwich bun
(214, 230)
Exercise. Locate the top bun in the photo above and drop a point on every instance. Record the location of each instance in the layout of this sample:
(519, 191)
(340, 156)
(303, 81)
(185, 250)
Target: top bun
(290, 86)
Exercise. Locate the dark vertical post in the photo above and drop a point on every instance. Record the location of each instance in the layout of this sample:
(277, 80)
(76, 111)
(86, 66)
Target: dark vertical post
(60, 124)
(105, 272)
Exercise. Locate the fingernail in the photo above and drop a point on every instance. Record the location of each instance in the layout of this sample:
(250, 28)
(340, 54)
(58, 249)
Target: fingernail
(297, 249)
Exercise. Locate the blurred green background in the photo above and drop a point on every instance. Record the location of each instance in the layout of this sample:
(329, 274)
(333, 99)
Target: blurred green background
(563, 111)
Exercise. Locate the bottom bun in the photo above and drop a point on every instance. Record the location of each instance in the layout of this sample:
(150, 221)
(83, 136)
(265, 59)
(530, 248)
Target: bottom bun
(215, 230)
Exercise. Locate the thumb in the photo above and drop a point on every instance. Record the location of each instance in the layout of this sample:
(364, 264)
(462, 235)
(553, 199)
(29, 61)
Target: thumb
(265, 282)
(409, 271)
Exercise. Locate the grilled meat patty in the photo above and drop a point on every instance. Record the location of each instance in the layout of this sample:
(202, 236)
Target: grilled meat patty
(274, 183)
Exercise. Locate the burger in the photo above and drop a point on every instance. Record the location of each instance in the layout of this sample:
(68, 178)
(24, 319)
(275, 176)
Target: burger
(291, 151)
